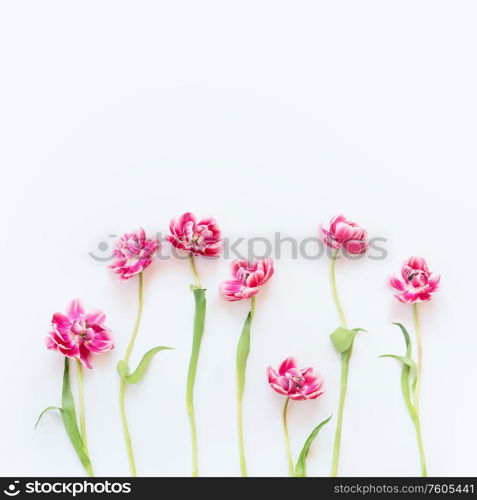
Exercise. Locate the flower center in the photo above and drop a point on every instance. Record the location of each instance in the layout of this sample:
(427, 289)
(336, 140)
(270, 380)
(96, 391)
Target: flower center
(298, 381)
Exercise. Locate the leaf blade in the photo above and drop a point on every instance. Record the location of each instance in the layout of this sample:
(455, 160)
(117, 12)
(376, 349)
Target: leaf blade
(300, 469)
(135, 377)
(243, 350)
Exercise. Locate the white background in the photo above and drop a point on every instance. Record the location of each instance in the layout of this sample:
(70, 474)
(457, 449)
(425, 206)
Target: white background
(270, 116)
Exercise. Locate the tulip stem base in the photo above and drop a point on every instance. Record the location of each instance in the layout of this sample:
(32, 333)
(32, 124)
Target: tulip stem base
(82, 418)
(345, 357)
(339, 421)
(198, 331)
(416, 418)
(122, 384)
(287, 440)
(243, 350)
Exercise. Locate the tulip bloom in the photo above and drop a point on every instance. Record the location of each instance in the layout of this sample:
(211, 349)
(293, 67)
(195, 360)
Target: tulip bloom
(249, 277)
(77, 335)
(347, 236)
(133, 254)
(296, 384)
(202, 238)
(196, 238)
(417, 285)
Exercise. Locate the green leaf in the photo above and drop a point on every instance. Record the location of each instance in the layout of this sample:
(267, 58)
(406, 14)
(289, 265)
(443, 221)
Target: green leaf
(243, 349)
(68, 414)
(69, 418)
(342, 338)
(198, 331)
(138, 374)
(403, 359)
(300, 469)
(50, 408)
(408, 372)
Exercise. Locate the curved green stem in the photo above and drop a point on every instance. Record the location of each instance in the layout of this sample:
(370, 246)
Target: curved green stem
(345, 357)
(195, 274)
(243, 349)
(416, 419)
(339, 423)
(122, 386)
(417, 326)
(287, 440)
(334, 290)
(79, 371)
(199, 321)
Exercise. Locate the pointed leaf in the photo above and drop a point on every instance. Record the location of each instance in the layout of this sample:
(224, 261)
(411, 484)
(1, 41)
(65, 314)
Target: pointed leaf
(403, 359)
(342, 338)
(408, 372)
(138, 374)
(243, 349)
(300, 469)
(68, 415)
(50, 408)
(198, 332)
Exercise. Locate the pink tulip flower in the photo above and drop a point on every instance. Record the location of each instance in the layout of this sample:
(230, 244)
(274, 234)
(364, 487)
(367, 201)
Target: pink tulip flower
(248, 278)
(78, 334)
(296, 383)
(197, 238)
(133, 253)
(346, 234)
(417, 284)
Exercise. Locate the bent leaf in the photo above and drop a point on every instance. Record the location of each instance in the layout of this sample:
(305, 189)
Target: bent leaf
(50, 408)
(342, 338)
(138, 374)
(408, 372)
(300, 469)
(68, 414)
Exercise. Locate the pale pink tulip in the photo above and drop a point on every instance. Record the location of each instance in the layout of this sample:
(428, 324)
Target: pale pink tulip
(197, 238)
(133, 253)
(346, 234)
(78, 334)
(295, 383)
(248, 278)
(417, 283)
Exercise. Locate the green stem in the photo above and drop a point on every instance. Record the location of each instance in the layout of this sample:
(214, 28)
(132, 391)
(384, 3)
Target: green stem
(287, 440)
(79, 371)
(334, 289)
(339, 423)
(420, 444)
(243, 349)
(194, 271)
(199, 320)
(417, 326)
(416, 419)
(345, 357)
(122, 384)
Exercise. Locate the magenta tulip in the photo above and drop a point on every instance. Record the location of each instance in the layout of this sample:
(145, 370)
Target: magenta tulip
(133, 253)
(345, 234)
(295, 383)
(417, 283)
(196, 238)
(77, 334)
(248, 278)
